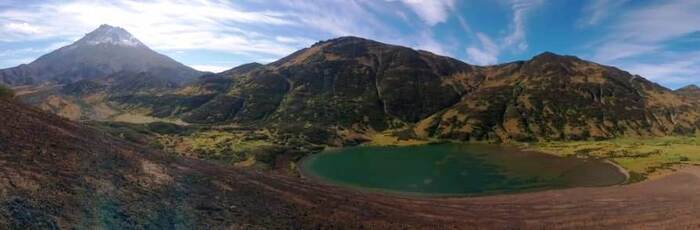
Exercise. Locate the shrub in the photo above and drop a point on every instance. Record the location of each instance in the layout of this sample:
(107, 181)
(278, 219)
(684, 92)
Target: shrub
(6, 92)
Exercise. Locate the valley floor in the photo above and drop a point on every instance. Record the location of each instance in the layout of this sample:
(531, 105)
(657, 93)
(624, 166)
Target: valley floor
(642, 157)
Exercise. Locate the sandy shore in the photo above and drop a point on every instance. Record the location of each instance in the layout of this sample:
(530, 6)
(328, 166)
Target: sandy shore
(620, 169)
(669, 201)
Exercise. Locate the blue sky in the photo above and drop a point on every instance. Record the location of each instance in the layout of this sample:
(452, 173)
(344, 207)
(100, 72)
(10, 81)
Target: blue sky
(659, 40)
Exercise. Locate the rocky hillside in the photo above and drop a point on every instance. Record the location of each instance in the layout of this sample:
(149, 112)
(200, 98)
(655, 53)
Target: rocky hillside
(344, 89)
(104, 51)
(553, 97)
(342, 84)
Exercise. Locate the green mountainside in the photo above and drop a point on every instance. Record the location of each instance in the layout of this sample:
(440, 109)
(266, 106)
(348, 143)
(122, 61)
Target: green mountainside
(344, 89)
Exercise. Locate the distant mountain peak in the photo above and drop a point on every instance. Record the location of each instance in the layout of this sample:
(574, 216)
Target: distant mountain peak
(242, 69)
(550, 57)
(690, 87)
(106, 34)
(346, 40)
(104, 51)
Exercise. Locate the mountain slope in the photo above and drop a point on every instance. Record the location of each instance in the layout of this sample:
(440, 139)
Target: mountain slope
(692, 92)
(553, 97)
(88, 99)
(341, 83)
(58, 174)
(101, 52)
(348, 88)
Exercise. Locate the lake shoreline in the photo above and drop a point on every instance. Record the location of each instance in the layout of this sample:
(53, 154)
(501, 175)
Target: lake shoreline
(306, 173)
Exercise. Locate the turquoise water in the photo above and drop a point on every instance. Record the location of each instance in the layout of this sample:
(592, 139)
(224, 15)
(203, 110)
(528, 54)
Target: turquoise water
(455, 169)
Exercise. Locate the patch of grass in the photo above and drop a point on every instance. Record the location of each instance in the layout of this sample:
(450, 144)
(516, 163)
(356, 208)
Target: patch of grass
(225, 147)
(387, 139)
(143, 119)
(642, 157)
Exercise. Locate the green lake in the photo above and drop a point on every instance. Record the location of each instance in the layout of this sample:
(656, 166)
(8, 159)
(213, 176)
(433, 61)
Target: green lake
(455, 169)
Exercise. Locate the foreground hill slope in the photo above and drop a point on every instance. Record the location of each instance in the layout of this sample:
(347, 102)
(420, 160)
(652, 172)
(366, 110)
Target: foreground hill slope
(56, 174)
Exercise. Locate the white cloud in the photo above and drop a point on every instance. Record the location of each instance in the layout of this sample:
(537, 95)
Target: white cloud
(671, 68)
(487, 55)
(615, 50)
(644, 30)
(24, 28)
(361, 18)
(431, 11)
(161, 24)
(598, 10)
(427, 42)
(661, 22)
(340, 17)
(647, 33)
(211, 68)
(517, 36)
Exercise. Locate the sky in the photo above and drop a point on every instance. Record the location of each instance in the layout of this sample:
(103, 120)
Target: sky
(659, 40)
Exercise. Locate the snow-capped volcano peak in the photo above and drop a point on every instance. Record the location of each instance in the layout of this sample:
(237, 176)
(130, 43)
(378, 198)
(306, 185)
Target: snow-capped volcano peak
(107, 34)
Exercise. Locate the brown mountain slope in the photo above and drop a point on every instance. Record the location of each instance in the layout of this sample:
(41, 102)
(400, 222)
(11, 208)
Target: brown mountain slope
(343, 89)
(553, 97)
(55, 173)
(341, 84)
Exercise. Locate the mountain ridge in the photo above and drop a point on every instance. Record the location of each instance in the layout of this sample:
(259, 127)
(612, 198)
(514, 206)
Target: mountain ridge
(343, 90)
(350, 87)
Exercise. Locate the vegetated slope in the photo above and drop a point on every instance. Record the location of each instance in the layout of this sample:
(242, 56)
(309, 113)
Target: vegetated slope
(88, 99)
(337, 87)
(55, 173)
(342, 89)
(691, 91)
(101, 52)
(553, 97)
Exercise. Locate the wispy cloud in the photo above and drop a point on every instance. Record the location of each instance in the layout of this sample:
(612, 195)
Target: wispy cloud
(174, 25)
(486, 51)
(517, 37)
(598, 10)
(432, 11)
(486, 55)
(644, 30)
(646, 33)
(671, 69)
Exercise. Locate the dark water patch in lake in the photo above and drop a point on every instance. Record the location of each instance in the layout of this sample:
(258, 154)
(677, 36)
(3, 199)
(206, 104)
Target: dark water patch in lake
(456, 169)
